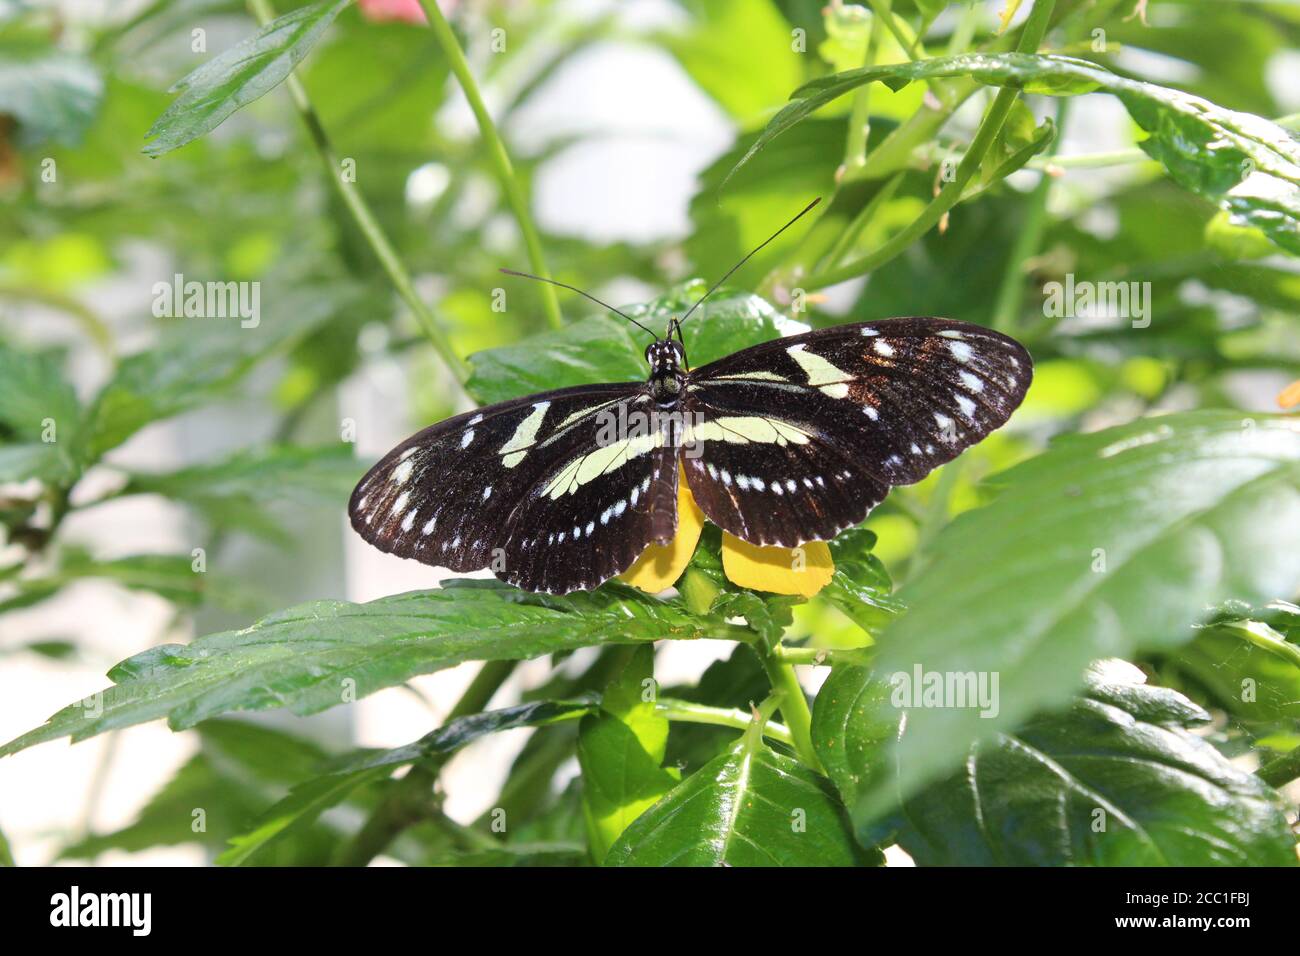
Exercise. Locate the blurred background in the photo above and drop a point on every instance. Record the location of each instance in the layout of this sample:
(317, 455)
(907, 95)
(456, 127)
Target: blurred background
(621, 119)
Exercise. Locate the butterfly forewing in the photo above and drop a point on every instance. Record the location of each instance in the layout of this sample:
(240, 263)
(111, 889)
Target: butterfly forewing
(797, 439)
(539, 490)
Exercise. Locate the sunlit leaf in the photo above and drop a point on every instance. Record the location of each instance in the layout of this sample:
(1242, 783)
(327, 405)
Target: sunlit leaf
(621, 753)
(1108, 544)
(748, 807)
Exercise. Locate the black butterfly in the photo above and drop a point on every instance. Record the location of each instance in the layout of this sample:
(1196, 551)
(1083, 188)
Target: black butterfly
(786, 442)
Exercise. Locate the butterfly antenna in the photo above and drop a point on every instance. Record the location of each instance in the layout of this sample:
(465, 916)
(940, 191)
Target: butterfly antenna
(565, 285)
(752, 253)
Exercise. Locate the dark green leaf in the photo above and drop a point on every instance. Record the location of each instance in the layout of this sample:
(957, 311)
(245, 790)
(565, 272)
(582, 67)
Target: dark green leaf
(748, 807)
(1114, 781)
(1248, 165)
(319, 655)
(465, 730)
(1107, 544)
(235, 78)
(609, 349)
(301, 808)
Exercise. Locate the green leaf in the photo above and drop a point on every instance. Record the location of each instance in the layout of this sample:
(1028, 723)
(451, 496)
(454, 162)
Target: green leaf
(37, 404)
(53, 95)
(239, 769)
(196, 358)
(738, 681)
(717, 51)
(317, 655)
(621, 753)
(302, 807)
(1247, 661)
(233, 79)
(170, 575)
(1248, 165)
(609, 349)
(748, 807)
(237, 491)
(860, 586)
(767, 615)
(6, 855)
(851, 728)
(465, 730)
(1116, 780)
(1108, 544)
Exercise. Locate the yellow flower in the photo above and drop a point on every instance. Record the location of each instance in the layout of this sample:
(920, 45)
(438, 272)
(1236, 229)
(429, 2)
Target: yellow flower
(804, 570)
(1289, 397)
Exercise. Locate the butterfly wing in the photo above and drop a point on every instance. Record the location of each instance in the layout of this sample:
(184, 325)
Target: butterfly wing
(799, 438)
(541, 490)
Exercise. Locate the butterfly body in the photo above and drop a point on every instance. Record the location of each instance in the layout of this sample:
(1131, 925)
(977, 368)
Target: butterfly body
(785, 442)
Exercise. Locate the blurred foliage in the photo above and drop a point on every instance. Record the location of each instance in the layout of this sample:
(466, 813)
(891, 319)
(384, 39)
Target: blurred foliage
(166, 144)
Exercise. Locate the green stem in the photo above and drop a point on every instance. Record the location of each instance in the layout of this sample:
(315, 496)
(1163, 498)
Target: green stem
(855, 149)
(820, 657)
(686, 712)
(412, 799)
(496, 153)
(1006, 307)
(364, 218)
(949, 196)
(794, 708)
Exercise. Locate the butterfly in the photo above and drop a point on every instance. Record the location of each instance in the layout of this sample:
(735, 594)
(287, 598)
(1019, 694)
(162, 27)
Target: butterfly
(785, 442)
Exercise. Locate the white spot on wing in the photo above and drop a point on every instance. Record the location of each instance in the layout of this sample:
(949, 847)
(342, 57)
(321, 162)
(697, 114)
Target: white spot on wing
(960, 350)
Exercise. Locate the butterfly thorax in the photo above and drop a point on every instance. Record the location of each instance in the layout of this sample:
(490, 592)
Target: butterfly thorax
(667, 360)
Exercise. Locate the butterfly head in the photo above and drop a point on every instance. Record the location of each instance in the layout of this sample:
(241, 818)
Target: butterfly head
(667, 361)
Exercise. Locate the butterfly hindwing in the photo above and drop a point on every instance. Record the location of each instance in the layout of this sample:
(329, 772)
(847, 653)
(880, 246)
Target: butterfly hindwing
(797, 439)
(529, 488)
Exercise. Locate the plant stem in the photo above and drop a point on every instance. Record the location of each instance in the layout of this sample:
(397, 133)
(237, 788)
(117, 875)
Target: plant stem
(949, 196)
(411, 799)
(1006, 307)
(819, 657)
(794, 708)
(365, 219)
(496, 153)
(686, 712)
(855, 149)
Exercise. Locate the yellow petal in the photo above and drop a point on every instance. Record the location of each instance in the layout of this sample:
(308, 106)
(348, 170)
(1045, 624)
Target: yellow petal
(660, 565)
(803, 570)
(1289, 397)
